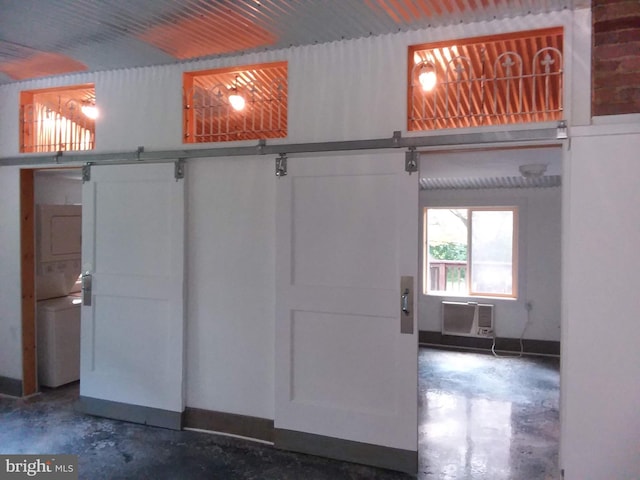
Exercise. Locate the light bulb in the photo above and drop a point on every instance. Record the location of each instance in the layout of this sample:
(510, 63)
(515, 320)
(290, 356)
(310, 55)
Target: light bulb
(90, 111)
(427, 79)
(236, 101)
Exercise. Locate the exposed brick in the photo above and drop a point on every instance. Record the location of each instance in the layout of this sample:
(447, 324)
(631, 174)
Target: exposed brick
(617, 24)
(617, 50)
(617, 79)
(615, 109)
(630, 64)
(623, 36)
(628, 92)
(607, 67)
(599, 3)
(615, 57)
(628, 95)
(603, 10)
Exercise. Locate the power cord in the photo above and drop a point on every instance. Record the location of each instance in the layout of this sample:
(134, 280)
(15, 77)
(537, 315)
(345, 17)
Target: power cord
(529, 307)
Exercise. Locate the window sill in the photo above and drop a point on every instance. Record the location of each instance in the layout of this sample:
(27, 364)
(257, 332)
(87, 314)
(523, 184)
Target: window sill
(467, 298)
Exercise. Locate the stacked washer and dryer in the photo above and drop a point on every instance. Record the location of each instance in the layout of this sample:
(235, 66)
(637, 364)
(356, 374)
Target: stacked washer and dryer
(58, 257)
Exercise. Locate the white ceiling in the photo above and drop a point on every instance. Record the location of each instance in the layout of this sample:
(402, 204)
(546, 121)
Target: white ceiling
(49, 37)
(489, 168)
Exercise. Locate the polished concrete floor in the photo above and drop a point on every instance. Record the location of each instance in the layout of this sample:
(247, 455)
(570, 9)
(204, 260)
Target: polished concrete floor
(480, 418)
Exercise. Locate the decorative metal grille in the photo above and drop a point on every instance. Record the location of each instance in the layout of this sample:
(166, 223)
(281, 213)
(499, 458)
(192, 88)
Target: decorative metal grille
(210, 117)
(48, 127)
(481, 85)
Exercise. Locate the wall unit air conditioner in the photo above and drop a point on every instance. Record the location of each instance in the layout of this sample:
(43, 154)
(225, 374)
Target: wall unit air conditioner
(467, 319)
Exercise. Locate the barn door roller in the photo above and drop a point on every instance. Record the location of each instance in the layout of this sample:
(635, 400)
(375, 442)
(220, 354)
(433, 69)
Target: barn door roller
(178, 170)
(86, 172)
(411, 161)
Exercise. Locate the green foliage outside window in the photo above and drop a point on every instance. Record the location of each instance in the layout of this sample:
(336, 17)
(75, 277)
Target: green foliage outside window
(448, 251)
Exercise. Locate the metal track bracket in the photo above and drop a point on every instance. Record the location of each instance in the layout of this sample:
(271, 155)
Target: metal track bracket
(260, 147)
(86, 172)
(395, 140)
(281, 165)
(563, 131)
(178, 171)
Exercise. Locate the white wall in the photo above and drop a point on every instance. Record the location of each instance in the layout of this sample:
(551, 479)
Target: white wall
(10, 294)
(539, 259)
(600, 334)
(57, 189)
(231, 285)
(350, 80)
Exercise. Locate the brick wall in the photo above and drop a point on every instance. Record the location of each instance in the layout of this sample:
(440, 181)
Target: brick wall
(616, 57)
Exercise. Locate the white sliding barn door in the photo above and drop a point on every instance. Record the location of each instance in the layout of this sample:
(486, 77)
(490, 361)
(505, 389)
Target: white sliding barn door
(133, 330)
(346, 377)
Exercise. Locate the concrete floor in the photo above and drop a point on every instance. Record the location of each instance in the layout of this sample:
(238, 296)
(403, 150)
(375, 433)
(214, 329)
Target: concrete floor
(480, 418)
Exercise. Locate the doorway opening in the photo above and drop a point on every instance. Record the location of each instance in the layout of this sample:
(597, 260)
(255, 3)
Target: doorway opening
(526, 180)
(51, 227)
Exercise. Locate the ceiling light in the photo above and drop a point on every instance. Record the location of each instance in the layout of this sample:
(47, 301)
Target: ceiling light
(533, 170)
(235, 99)
(427, 77)
(90, 111)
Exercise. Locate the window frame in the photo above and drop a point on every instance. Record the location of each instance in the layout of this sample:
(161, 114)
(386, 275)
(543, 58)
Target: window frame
(189, 78)
(426, 277)
(27, 137)
(501, 118)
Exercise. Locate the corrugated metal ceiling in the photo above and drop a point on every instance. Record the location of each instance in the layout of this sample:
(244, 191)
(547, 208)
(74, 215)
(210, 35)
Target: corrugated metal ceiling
(473, 183)
(97, 35)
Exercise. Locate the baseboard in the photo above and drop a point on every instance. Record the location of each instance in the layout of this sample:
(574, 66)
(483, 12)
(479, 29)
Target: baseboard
(539, 347)
(10, 386)
(130, 413)
(364, 453)
(242, 425)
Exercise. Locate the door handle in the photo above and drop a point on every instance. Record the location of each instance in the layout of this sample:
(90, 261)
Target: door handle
(406, 305)
(87, 281)
(405, 301)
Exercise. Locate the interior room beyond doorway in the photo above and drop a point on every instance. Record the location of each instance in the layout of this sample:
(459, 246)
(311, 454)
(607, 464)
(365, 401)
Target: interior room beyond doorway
(51, 308)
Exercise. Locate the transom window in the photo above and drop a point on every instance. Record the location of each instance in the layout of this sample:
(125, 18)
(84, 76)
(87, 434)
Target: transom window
(496, 80)
(240, 103)
(471, 251)
(58, 119)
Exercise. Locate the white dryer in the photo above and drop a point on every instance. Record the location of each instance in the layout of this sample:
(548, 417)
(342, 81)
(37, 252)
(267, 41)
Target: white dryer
(58, 340)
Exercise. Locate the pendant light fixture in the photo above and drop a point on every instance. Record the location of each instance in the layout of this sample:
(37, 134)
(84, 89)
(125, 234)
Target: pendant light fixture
(89, 110)
(235, 99)
(427, 76)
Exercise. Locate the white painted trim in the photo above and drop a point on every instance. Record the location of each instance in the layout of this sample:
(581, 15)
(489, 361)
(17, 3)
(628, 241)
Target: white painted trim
(629, 118)
(607, 129)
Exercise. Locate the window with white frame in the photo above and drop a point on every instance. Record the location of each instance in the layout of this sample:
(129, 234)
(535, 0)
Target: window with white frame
(471, 251)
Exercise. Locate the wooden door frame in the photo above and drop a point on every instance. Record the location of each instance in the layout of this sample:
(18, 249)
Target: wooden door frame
(28, 279)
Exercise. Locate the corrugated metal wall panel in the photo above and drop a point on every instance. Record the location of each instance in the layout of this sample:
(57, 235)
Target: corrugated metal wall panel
(342, 90)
